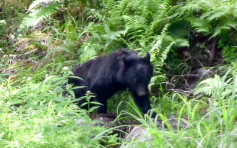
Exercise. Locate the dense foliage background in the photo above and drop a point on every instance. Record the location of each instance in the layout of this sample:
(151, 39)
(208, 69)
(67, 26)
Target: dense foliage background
(193, 47)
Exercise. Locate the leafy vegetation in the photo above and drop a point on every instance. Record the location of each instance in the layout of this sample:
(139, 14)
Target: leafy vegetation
(189, 41)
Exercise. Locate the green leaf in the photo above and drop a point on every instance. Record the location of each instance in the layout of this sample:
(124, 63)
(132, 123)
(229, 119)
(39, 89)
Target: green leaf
(36, 3)
(181, 42)
(36, 16)
(200, 25)
(3, 23)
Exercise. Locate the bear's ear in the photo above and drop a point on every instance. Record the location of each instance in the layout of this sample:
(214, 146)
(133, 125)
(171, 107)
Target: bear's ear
(147, 57)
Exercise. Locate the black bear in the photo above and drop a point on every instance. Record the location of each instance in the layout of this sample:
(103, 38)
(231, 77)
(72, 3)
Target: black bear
(118, 71)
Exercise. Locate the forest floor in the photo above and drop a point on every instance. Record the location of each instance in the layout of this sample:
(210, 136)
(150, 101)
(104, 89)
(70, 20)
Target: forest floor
(193, 90)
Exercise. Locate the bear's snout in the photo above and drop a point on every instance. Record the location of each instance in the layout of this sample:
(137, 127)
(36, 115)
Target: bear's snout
(141, 92)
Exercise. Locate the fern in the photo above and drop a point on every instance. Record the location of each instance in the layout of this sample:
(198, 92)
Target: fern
(226, 26)
(198, 6)
(218, 87)
(111, 36)
(37, 3)
(211, 86)
(159, 52)
(37, 13)
(200, 25)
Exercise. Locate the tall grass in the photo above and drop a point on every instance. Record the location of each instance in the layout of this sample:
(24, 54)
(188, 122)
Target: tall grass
(35, 114)
(210, 120)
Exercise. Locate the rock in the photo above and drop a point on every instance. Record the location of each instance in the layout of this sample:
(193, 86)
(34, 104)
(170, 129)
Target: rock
(105, 120)
(142, 134)
(138, 133)
(174, 123)
(205, 73)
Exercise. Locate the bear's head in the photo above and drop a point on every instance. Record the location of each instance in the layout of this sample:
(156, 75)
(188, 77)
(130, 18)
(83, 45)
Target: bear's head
(137, 73)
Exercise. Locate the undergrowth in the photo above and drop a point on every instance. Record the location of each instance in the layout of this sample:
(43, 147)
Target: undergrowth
(36, 114)
(33, 111)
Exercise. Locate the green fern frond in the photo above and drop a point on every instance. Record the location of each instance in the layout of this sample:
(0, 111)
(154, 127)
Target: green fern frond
(110, 3)
(38, 15)
(111, 7)
(164, 54)
(36, 3)
(218, 30)
(217, 15)
(207, 14)
(210, 86)
(112, 35)
(129, 20)
(197, 6)
(233, 25)
(160, 50)
(200, 25)
(218, 87)
(181, 42)
(164, 30)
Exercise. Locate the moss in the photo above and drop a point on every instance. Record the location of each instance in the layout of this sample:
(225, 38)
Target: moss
(33, 43)
(38, 45)
(28, 48)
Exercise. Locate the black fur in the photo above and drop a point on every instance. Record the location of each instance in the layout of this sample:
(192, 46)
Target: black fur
(118, 71)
